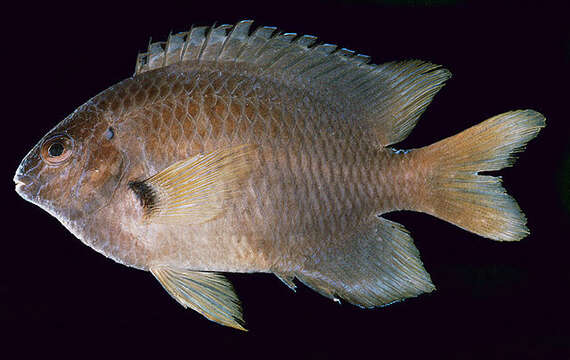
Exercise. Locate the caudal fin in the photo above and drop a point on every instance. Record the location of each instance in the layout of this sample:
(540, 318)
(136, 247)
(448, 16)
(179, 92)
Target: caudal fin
(478, 203)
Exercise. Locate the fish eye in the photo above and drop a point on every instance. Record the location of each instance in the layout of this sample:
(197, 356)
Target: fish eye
(57, 149)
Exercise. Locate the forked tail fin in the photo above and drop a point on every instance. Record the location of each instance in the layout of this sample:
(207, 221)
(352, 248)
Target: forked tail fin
(456, 192)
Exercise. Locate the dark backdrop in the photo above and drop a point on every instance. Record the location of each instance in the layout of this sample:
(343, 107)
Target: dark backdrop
(494, 300)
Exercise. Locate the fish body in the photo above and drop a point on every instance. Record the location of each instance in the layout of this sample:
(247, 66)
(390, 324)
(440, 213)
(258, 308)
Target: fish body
(231, 151)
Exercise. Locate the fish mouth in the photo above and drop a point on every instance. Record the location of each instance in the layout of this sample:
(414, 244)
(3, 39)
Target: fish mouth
(21, 182)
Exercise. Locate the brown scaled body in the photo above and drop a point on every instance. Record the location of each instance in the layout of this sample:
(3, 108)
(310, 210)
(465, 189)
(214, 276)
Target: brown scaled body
(314, 176)
(237, 152)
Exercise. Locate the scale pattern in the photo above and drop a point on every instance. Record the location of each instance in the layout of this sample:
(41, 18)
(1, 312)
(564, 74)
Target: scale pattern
(318, 174)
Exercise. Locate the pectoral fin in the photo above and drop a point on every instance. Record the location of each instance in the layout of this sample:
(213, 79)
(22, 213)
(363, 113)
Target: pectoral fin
(193, 191)
(208, 293)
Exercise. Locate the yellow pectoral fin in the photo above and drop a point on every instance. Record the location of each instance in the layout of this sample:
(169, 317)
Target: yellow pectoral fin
(193, 191)
(208, 293)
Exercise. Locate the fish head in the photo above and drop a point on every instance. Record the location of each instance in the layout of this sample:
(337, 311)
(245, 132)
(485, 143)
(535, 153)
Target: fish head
(74, 170)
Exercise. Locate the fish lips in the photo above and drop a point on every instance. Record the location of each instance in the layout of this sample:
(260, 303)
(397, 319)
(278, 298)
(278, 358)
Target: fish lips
(23, 183)
(26, 187)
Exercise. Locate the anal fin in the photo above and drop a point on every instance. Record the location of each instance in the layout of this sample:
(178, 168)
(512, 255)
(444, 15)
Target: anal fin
(287, 279)
(375, 266)
(208, 293)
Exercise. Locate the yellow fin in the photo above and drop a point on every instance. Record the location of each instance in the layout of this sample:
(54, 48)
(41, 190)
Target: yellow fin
(208, 293)
(478, 203)
(193, 191)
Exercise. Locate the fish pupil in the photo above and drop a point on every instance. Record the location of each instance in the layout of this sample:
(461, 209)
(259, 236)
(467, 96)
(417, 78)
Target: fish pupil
(55, 149)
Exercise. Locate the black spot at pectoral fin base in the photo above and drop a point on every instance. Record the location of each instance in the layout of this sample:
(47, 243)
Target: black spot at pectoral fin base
(144, 193)
(195, 190)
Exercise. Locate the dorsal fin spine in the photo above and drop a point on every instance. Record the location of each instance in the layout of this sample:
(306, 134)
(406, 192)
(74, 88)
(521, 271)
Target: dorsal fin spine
(184, 36)
(274, 49)
(256, 41)
(265, 49)
(389, 97)
(238, 36)
(214, 42)
(166, 49)
(227, 40)
(204, 43)
(224, 28)
(194, 43)
(287, 45)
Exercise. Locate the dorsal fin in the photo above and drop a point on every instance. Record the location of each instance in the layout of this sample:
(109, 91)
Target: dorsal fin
(389, 98)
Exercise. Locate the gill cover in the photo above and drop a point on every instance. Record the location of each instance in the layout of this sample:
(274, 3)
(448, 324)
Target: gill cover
(101, 174)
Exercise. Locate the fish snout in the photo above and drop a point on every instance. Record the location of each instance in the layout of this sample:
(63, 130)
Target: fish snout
(21, 181)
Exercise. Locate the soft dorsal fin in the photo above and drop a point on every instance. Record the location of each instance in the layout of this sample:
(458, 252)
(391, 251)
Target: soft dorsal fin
(389, 98)
(411, 85)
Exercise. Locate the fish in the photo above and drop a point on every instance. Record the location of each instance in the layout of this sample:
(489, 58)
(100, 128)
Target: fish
(235, 149)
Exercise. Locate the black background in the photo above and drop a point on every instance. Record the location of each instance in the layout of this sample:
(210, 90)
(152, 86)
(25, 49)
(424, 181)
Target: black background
(494, 300)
